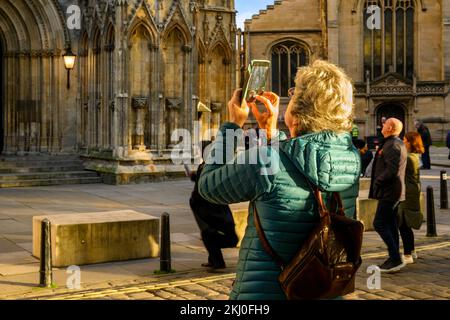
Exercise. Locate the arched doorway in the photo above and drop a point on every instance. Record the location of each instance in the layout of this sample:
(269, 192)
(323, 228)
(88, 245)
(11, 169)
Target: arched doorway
(392, 110)
(32, 107)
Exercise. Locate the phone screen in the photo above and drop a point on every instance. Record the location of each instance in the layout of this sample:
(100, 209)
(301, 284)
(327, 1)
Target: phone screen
(257, 80)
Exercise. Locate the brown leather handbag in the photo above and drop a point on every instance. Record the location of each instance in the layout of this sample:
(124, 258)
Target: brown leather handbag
(325, 266)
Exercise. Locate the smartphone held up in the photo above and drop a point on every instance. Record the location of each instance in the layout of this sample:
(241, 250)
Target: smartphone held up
(256, 80)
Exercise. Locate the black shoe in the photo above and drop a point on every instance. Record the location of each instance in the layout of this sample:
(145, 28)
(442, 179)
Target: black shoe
(390, 266)
(214, 266)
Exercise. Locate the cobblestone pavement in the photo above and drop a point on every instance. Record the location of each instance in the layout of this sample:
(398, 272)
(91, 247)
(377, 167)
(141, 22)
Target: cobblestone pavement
(427, 279)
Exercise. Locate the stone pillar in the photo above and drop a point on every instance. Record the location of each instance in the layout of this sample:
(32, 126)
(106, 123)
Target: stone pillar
(139, 105)
(367, 96)
(120, 141)
(173, 108)
(187, 90)
(229, 67)
(59, 86)
(10, 66)
(20, 103)
(153, 108)
(333, 30)
(217, 109)
(161, 133)
(91, 100)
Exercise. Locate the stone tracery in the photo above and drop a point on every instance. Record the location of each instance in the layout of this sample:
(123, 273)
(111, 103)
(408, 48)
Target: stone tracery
(98, 116)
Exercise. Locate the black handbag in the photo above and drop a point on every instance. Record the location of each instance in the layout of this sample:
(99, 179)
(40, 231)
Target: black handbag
(325, 266)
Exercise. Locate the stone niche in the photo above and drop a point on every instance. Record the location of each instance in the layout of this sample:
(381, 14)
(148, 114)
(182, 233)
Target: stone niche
(29, 121)
(140, 107)
(173, 109)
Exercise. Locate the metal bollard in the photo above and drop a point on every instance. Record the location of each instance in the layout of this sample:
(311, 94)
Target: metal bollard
(431, 219)
(165, 259)
(444, 192)
(45, 273)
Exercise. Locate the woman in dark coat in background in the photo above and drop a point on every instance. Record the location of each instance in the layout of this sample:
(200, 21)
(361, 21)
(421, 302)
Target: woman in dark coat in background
(409, 211)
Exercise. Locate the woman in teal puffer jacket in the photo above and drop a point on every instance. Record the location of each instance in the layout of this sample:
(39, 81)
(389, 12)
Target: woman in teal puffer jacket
(273, 177)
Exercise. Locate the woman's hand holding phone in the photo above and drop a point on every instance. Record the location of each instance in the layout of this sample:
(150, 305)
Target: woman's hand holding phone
(238, 110)
(267, 120)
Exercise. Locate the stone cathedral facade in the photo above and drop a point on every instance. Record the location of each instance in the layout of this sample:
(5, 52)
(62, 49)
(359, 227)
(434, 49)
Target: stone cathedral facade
(398, 54)
(141, 69)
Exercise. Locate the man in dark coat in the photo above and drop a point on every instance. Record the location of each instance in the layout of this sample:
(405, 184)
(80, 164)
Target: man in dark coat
(216, 224)
(427, 142)
(388, 187)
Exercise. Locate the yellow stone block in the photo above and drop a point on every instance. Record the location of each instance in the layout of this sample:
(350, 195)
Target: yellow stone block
(98, 237)
(240, 221)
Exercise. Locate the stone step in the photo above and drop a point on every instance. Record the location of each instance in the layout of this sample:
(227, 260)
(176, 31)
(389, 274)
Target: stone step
(25, 169)
(51, 182)
(41, 164)
(47, 175)
(38, 158)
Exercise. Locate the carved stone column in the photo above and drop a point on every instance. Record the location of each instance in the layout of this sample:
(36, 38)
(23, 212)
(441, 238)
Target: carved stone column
(139, 104)
(216, 108)
(120, 134)
(173, 107)
(367, 98)
(187, 90)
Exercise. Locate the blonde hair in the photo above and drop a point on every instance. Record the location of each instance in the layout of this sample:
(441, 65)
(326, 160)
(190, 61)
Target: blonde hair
(323, 98)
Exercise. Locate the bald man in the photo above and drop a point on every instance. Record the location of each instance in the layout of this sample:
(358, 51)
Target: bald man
(388, 187)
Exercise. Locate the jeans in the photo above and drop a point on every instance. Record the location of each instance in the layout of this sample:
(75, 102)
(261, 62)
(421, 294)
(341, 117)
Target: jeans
(385, 224)
(407, 238)
(426, 162)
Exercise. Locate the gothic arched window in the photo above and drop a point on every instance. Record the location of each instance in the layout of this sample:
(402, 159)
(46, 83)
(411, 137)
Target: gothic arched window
(287, 57)
(389, 37)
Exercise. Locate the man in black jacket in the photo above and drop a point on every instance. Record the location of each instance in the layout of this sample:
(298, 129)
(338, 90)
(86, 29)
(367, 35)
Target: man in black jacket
(427, 142)
(388, 187)
(216, 225)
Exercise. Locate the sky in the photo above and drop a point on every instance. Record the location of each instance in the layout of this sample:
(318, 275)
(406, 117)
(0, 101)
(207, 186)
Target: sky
(247, 8)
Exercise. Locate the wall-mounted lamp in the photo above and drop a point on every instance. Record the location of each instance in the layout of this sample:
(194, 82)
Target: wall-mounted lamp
(69, 63)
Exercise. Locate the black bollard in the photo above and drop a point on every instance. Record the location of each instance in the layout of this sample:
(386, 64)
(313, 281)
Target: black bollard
(431, 219)
(444, 193)
(45, 273)
(165, 259)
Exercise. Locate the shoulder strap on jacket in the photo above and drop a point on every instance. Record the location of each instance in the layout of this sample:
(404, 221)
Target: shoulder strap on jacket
(265, 243)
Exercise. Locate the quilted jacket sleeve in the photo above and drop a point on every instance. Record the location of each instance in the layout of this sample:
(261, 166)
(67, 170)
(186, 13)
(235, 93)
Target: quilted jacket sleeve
(235, 178)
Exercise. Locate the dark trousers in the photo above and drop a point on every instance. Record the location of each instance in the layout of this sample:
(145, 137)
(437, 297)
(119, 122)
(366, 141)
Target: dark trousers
(426, 162)
(214, 241)
(385, 224)
(408, 238)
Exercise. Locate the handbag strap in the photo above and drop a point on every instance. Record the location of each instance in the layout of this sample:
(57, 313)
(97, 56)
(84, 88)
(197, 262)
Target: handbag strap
(324, 217)
(265, 243)
(337, 205)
